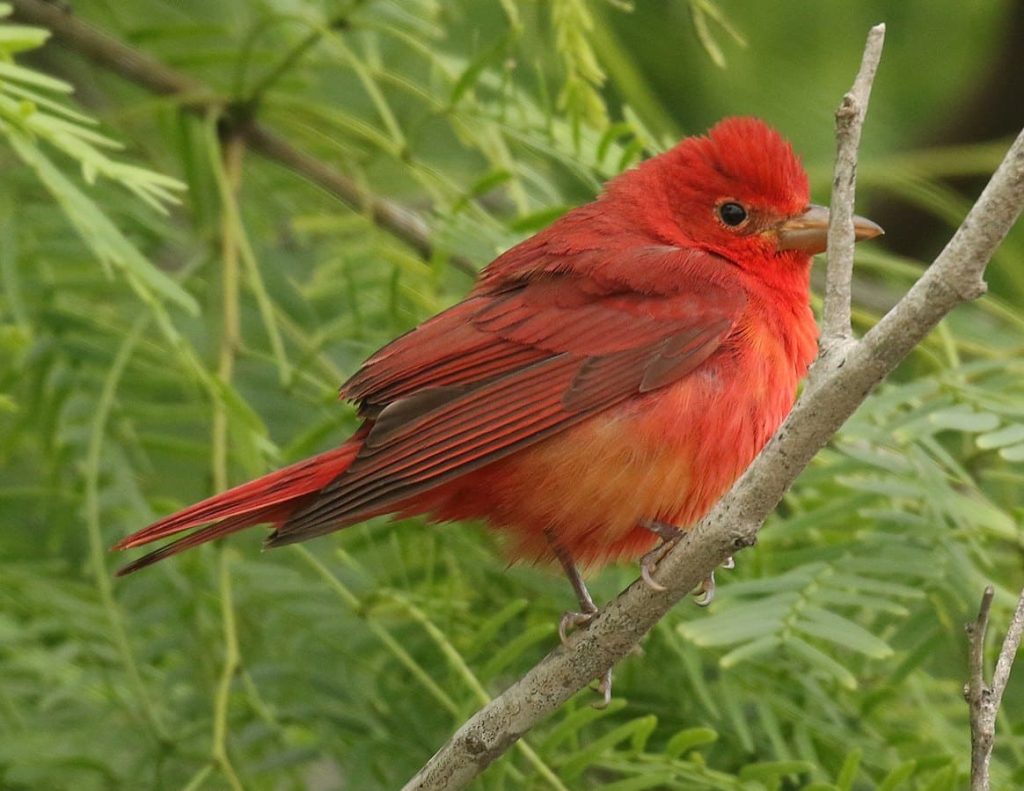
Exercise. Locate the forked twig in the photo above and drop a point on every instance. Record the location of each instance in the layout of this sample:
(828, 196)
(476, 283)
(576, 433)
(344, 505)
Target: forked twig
(984, 699)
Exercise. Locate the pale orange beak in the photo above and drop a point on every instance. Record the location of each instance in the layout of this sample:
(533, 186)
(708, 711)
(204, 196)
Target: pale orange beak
(809, 231)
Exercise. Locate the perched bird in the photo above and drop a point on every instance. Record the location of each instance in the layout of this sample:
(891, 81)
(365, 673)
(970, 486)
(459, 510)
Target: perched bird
(602, 385)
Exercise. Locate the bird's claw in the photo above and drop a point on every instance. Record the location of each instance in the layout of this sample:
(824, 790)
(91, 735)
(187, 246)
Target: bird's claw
(648, 563)
(604, 686)
(573, 620)
(705, 593)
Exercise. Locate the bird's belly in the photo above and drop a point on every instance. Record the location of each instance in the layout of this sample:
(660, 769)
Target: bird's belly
(668, 456)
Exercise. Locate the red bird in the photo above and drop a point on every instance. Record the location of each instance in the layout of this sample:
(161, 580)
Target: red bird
(603, 384)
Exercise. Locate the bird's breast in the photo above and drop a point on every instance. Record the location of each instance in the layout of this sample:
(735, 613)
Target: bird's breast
(666, 455)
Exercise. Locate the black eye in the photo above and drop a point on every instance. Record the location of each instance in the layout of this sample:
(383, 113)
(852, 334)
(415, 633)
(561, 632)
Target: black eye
(732, 213)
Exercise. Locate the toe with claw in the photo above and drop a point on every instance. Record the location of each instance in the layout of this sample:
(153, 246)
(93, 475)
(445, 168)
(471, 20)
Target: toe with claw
(573, 620)
(648, 563)
(604, 687)
(705, 593)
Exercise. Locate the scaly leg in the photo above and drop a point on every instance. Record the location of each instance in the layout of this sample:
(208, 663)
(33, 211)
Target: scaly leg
(669, 534)
(571, 620)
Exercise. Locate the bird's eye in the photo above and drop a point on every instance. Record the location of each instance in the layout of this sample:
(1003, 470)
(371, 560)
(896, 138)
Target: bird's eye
(732, 213)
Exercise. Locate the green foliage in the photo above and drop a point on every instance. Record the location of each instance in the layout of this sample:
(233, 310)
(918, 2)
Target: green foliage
(833, 657)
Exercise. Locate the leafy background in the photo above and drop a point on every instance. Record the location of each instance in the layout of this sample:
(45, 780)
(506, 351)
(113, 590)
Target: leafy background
(176, 315)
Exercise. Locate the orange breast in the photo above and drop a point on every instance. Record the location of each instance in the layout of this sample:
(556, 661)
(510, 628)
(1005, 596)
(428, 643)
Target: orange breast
(668, 455)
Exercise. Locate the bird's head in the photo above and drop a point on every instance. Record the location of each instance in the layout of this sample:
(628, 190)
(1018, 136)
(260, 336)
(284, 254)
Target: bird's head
(739, 192)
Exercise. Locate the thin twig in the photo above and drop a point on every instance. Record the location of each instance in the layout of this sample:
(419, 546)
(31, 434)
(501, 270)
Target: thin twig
(228, 161)
(984, 699)
(976, 691)
(1011, 644)
(836, 329)
(843, 383)
(195, 97)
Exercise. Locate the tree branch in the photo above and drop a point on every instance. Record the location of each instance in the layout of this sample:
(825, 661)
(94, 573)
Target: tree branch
(843, 382)
(195, 97)
(983, 699)
(836, 328)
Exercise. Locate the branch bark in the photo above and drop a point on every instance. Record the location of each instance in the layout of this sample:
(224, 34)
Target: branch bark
(982, 698)
(836, 328)
(842, 382)
(197, 98)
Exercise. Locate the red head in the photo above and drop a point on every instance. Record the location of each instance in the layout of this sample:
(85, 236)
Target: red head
(739, 192)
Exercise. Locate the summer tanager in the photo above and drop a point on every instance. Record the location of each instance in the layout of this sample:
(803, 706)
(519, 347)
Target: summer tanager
(602, 385)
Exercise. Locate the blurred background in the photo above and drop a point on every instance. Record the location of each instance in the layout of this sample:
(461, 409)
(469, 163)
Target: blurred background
(181, 299)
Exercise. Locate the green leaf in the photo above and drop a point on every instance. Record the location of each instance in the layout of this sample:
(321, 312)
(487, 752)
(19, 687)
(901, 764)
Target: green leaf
(11, 71)
(17, 38)
(688, 739)
(898, 776)
(964, 419)
(514, 648)
(1013, 452)
(755, 648)
(576, 721)
(1007, 435)
(821, 660)
(849, 770)
(471, 74)
(825, 625)
(770, 770)
(639, 728)
(648, 779)
(738, 624)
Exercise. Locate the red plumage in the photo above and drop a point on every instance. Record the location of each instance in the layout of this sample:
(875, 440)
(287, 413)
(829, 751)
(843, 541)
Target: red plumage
(625, 364)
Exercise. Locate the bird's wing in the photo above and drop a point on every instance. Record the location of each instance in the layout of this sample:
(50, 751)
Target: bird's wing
(501, 371)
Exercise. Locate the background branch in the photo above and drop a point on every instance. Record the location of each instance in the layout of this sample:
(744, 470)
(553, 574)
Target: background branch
(197, 98)
(843, 383)
(836, 329)
(982, 698)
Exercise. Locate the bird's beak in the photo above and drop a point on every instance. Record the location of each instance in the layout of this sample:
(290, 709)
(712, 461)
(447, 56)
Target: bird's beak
(809, 231)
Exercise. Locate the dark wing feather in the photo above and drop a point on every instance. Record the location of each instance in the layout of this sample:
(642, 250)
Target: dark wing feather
(500, 372)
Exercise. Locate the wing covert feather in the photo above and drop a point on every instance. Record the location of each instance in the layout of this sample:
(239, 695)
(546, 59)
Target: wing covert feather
(504, 370)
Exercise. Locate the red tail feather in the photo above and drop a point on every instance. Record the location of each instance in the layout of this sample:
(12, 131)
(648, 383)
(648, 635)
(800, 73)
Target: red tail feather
(272, 498)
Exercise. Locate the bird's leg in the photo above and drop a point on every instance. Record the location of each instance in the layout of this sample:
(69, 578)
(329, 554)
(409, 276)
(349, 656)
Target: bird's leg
(705, 592)
(570, 620)
(669, 534)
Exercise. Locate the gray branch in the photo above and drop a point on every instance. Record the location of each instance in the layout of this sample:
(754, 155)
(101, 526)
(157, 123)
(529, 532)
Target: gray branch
(842, 382)
(836, 329)
(984, 699)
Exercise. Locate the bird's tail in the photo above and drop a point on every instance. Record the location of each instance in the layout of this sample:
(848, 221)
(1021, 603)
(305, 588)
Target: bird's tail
(272, 498)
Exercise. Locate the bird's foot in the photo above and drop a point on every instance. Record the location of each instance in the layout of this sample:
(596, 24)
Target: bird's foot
(574, 620)
(705, 593)
(648, 563)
